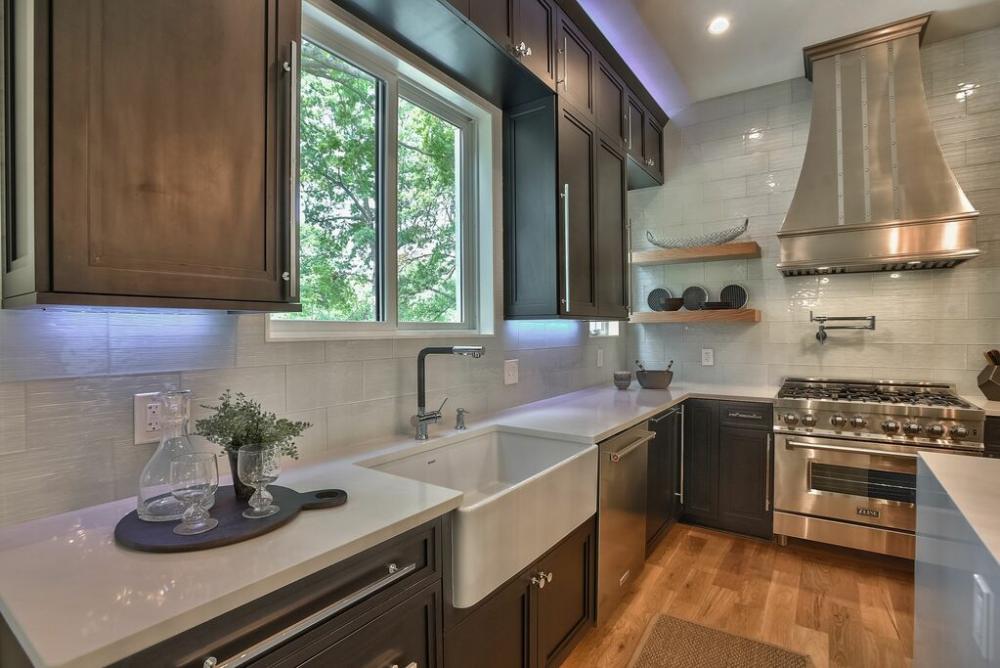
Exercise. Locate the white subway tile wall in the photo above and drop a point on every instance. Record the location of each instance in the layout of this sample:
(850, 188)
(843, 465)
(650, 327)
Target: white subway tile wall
(740, 156)
(67, 380)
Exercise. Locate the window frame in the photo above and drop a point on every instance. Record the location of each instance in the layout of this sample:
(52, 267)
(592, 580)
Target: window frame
(402, 75)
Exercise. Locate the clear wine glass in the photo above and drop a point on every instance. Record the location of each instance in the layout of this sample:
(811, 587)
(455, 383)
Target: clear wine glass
(193, 480)
(258, 466)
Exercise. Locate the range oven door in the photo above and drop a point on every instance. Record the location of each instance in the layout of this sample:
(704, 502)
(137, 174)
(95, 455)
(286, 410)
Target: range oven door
(856, 481)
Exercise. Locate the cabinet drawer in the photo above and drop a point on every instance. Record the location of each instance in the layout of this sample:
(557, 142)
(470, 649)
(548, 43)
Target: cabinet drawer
(339, 597)
(407, 635)
(745, 415)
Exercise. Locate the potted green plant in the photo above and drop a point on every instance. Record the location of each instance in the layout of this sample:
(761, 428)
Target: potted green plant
(238, 421)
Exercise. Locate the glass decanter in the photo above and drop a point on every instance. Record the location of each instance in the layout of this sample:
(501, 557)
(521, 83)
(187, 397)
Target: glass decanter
(156, 503)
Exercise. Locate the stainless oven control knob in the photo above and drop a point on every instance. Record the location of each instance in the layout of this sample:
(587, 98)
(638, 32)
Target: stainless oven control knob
(838, 421)
(958, 431)
(790, 418)
(858, 422)
(912, 429)
(890, 426)
(935, 431)
(808, 420)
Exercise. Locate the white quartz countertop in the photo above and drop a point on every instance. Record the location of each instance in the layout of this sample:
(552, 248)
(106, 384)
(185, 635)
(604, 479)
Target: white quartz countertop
(971, 482)
(73, 597)
(992, 408)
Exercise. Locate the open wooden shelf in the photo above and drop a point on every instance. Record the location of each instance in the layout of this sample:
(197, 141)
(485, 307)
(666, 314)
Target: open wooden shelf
(720, 315)
(736, 250)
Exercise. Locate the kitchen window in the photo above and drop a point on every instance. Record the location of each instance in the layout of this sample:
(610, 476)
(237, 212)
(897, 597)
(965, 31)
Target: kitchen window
(390, 195)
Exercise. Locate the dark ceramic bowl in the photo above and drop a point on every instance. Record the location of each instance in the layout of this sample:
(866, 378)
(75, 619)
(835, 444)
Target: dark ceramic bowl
(672, 304)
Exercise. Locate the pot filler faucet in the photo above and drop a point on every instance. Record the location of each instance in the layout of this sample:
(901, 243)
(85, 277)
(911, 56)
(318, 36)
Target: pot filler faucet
(423, 416)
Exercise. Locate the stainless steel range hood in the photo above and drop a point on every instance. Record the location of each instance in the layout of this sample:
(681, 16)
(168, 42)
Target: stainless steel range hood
(875, 193)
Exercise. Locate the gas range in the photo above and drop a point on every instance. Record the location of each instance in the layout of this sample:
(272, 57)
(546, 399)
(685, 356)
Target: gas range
(929, 415)
(846, 455)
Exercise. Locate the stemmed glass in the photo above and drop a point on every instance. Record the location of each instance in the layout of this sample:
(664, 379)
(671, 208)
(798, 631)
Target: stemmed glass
(258, 466)
(193, 481)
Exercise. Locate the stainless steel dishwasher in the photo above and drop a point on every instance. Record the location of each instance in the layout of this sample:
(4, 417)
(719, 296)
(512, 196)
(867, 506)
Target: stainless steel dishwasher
(622, 516)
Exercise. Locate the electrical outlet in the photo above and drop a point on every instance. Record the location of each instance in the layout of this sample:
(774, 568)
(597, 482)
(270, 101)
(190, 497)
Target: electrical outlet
(707, 357)
(510, 372)
(600, 358)
(146, 417)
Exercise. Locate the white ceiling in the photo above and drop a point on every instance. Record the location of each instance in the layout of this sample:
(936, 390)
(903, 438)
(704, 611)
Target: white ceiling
(764, 43)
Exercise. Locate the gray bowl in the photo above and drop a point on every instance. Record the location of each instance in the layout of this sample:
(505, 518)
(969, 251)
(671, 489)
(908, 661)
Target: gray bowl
(622, 379)
(654, 380)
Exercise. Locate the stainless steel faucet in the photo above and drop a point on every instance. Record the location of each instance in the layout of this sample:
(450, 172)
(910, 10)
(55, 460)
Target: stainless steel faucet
(423, 416)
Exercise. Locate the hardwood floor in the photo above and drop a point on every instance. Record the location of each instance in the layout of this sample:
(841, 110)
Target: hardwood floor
(842, 608)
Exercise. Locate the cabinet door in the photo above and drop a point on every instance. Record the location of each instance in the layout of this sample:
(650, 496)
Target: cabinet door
(609, 103)
(496, 18)
(170, 130)
(652, 147)
(745, 476)
(663, 476)
(565, 603)
(406, 634)
(531, 211)
(576, 216)
(634, 125)
(701, 461)
(535, 22)
(612, 243)
(498, 634)
(575, 69)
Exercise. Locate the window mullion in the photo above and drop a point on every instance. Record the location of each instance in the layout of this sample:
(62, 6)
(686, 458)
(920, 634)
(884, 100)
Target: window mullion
(391, 215)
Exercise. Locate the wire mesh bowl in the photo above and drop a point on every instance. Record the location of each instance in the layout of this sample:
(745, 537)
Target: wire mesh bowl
(712, 239)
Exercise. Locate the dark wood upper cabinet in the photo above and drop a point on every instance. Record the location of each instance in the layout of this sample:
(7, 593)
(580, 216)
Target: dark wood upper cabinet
(535, 27)
(634, 126)
(612, 231)
(575, 66)
(463, 6)
(577, 234)
(609, 103)
(496, 19)
(652, 147)
(169, 155)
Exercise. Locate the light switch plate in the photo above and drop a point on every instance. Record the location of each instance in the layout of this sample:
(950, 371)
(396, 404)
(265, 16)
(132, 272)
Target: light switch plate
(146, 418)
(708, 357)
(510, 372)
(600, 358)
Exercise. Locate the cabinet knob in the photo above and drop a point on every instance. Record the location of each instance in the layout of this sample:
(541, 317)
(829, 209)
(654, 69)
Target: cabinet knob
(210, 662)
(541, 579)
(285, 276)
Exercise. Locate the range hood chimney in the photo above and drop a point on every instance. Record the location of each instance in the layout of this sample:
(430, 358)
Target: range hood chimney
(875, 193)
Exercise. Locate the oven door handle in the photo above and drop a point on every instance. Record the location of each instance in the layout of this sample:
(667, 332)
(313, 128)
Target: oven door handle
(850, 450)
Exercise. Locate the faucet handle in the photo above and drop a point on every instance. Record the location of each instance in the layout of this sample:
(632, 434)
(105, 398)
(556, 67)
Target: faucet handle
(441, 407)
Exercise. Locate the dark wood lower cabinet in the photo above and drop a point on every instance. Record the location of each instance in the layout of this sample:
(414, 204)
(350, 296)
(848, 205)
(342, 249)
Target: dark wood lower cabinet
(525, 623)
(663, 475)
(728, 466)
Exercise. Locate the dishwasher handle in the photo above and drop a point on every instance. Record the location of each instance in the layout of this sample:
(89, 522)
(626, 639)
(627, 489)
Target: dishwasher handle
(619, 455)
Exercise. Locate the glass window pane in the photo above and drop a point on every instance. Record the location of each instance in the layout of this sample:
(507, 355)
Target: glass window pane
(339, 189)
(429, 235)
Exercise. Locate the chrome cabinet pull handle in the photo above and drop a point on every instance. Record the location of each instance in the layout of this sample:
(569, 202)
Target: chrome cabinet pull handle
(565, 70)
(616, 457)
(412, 664)
(394, 574)
(291, 66)
(628, 270)
(681, 493)
(565, 198)
(767, 475)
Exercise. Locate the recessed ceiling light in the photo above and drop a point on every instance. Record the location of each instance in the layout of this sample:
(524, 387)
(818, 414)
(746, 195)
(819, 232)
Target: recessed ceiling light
(718, 25)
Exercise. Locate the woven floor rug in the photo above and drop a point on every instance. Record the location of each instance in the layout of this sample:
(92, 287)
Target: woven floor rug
(669, 642)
